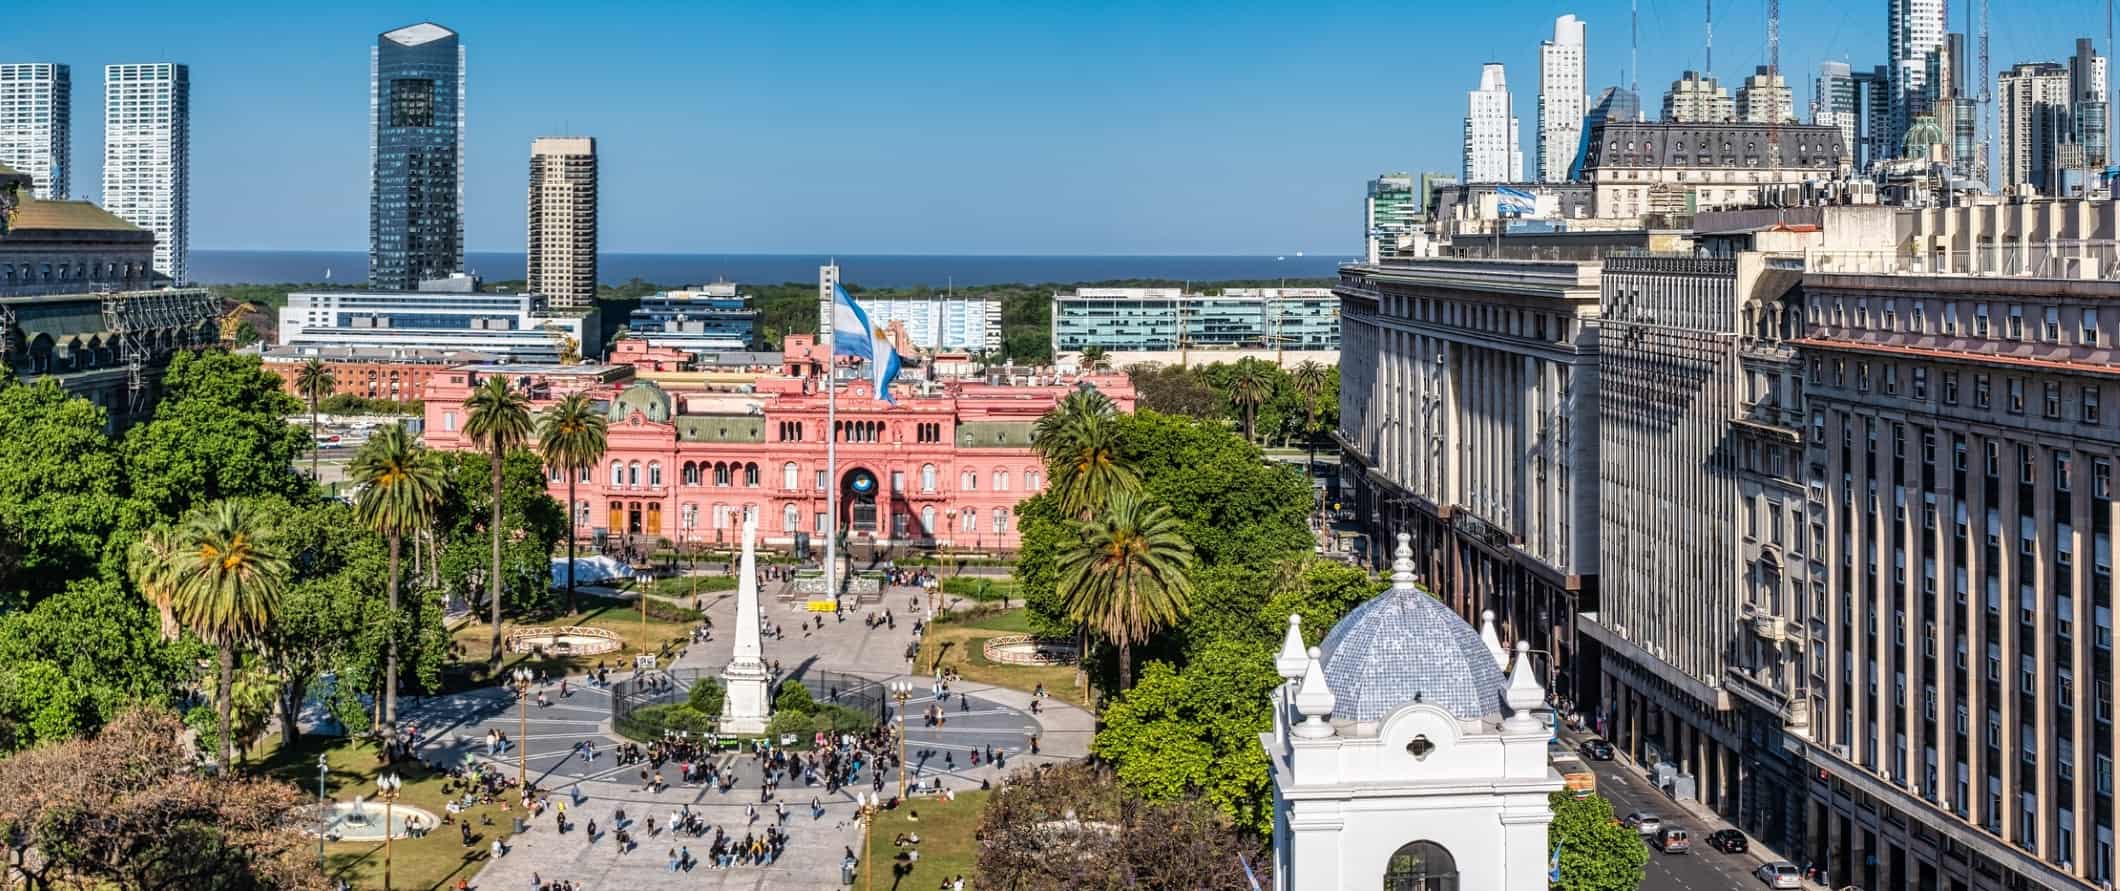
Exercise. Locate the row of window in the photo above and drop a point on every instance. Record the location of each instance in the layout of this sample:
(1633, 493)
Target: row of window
(2057, 325)
(727, 516)
(2082, 403)
(725, 473)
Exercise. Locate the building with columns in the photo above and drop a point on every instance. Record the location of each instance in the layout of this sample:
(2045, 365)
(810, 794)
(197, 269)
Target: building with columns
(1404, 757)
(1468, 412)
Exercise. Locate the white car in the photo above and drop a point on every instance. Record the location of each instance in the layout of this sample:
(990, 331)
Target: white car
(1779, 874)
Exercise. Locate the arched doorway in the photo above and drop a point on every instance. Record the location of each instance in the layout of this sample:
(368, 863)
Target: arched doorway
(858, 491)
(1421, 866)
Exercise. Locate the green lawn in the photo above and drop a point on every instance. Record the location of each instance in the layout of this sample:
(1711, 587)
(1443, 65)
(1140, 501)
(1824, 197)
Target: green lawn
(472, 642)
(961, 645)
(947, 848)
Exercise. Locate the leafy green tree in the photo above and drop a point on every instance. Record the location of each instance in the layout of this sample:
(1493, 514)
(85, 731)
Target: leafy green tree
(334, 593)
(1094, 358)
(533, 520)
(233, 575)
(400, 483)
(572, 437)
(1071, 826)
(1175, 390)
(1308, 381)
(314, 381)
(219, 431)
(1250, 387)
(151, 564)
(61, 489)
(1596, 852)
(793, 699)
(79, 657)
(1128, 575)
(1079, 443)
(1196, 732)
(706, 697)
(1236, 507)
(498, 420)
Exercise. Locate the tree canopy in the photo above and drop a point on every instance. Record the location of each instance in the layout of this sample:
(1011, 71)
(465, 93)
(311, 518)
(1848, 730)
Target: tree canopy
(1596, 852)
(1071, 826)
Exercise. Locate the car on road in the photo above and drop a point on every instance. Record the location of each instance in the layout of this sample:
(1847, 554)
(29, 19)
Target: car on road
(1779, 874)
(1728, 841)
(1596, 749)
(1673, 840)
(1643, 822)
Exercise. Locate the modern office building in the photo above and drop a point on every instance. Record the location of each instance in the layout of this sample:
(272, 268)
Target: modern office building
(1614, 104)
(1960, 457)
(2032, 121)
(416, 145)
(1493, 151)
(1170, 320)
(2090, 123)
(1695, 98)
(445, 316)
(1390, 214)
(36, 125)
(1468, 419)
(1947, 98)
(1914, 29)
(1764, 98)
(938, 324)
(1833, 100)
(710, 318)
(1672, 169)
(1873, 99)
(1562, 99)
(562, 245)
(147, 156)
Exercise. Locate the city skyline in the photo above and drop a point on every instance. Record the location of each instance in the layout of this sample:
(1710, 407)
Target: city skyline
(947, 133)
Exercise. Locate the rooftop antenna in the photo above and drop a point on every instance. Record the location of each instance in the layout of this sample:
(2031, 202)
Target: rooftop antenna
(1709, 62)
(1987, 100)
(1774, 74)
(1634, 48)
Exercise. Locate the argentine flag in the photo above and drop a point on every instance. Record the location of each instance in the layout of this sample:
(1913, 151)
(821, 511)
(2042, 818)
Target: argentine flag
(854, 335)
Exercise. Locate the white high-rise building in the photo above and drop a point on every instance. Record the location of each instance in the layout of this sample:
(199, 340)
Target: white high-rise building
(1493, 151)
(147, 155)
(36, 116)
(562, 247)
(1916, 30)
(2032, 121)
(1561, 100)
(1764, 98)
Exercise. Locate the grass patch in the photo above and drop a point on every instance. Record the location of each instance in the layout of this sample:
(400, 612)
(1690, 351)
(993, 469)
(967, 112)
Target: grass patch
(947, 846)
(961, 644)
(435, 861)
(683, 586)
(980, 588)
(661, 636)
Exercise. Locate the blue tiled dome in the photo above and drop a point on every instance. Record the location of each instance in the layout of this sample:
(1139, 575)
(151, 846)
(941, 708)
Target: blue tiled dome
(1404, 645)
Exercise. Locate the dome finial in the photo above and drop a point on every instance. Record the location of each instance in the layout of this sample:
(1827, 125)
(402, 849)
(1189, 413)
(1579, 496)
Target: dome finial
(1314, 700)
(1493, 640)
(1402, 565)
(1292, 661)
(1524, 693)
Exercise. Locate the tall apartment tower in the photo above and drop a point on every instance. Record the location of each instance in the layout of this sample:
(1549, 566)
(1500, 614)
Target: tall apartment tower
(1695, 98)
(1561, 99)
(2032, 119)
(2089, 124)
(36, 116)
(1391, 210)
(1833, 101)
(1916, 29)
(1493, 151)
(562, 245)
(147, 155)
(1955, 108)
(1764, 98)
(416, 146)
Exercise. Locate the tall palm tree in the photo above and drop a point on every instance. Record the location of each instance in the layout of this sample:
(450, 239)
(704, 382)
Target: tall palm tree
(152, 565)
(231, 579)
(1079, 442)
(400, 485)
(498, 420)
(1309, 382)
(1128, 575)
(1250, 387)
(314, 381)
(572, 437)
(1095, 358)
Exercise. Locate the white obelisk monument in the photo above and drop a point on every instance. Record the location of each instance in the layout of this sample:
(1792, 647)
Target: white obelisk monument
(747, 705)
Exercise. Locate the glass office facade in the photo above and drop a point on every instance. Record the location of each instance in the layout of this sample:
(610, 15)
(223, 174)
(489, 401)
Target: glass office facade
(416, 109)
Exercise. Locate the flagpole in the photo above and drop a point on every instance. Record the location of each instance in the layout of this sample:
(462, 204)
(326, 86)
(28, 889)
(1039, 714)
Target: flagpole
(831, 455)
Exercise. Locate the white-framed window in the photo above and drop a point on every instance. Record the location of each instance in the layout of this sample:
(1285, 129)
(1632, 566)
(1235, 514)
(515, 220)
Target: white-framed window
(970, 483)
(1030, 479)
(1000, 520)
(790, 477)
(1000, 480)
(633, 474)
(790, 519)
(689, 516)
(655, 473)
(927, 477)
(968, 520)
(618, 474)
(927, 520)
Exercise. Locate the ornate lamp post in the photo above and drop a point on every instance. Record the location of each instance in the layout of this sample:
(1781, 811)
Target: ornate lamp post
(901, 690)
(522, 676)
(388, 785)
(869, 807)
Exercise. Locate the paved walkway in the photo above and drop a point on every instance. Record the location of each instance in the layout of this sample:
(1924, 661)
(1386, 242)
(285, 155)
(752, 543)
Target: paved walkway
(978, 716)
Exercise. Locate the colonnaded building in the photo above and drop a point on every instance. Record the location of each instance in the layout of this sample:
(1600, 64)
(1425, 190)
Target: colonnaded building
(691, 455)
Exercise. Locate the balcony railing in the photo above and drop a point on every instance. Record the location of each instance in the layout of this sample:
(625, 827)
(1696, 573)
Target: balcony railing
(2080, 260)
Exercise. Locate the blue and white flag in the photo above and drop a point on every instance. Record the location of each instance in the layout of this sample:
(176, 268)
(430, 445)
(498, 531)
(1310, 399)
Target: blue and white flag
(854, 335)
(1514, 202)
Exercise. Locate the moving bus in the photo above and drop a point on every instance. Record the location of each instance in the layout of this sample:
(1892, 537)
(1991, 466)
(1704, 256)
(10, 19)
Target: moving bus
(1580, 782)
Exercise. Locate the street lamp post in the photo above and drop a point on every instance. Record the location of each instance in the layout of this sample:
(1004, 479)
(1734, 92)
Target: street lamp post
(323, 815)
(869, 806)
(901, 690)
(388, 785)
(522, 678)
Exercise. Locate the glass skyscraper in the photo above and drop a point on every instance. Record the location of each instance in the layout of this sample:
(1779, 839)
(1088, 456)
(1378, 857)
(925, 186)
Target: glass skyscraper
(416, 149)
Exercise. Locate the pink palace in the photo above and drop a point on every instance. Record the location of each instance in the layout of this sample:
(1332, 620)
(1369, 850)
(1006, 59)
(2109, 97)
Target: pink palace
(692, 453)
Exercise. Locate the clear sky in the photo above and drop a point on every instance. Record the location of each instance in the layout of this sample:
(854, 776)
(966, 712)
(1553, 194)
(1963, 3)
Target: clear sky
(1019, 127)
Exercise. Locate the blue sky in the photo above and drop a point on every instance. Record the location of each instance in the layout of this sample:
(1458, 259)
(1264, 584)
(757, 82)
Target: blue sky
(1224, 128)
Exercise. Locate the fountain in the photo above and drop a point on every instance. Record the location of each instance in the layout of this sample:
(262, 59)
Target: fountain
(362, 820)
(565, 640)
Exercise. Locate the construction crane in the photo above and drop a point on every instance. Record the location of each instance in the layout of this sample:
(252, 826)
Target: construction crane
(232, 322)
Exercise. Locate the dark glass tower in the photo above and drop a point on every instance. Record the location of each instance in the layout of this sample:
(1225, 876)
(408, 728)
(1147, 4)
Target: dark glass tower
(416, 150)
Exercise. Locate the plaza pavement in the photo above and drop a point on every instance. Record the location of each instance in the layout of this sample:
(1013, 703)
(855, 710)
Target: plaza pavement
(454, 728)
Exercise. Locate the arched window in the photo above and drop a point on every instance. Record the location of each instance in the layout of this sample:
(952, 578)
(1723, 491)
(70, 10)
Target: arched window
(790, 519)
(1000, 520)
(927, 520)
(927, 477)
(969, 520)
(750, 512)
(691, 516)
(618, 474)
(790, 477)
(1000, 480)
(1030, 479)
(581, 513)
(1421, 866)
(633, 474)
(750, 475)
(970, 481)
(721, 474)
(585, 472)
(655, 473)
(691, 474)
(721, 516)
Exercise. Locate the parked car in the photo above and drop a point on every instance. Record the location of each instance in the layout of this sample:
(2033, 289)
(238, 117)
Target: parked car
(1779, 874)
(1729, 841)
(1596, 749)
(1643, 822)
(1673, 840)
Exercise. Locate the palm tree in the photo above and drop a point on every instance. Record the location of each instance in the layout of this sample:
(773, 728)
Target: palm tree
(314, 381)
(1079, 442)
(572, 436)
(152, 565)
(231, 579)
(1095, 358)
(1249, 388)
(498, 420)
(400, 485)
(1309, 383)
(1127, 575)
